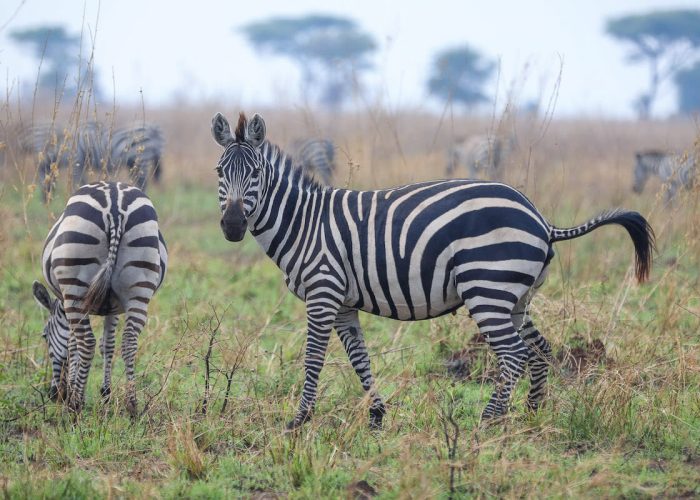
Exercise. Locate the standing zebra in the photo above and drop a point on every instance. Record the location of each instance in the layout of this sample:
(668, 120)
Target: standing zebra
(478, 153)
(409, 253)
(674, 169)
(316, 157)
(105, 256)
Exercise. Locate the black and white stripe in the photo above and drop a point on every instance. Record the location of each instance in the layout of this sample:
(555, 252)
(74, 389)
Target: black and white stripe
(675, 170)
(316, 157)
(409, 253)
(104, 256)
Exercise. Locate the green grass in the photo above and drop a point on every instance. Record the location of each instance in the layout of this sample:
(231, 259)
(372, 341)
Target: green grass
(629, 427)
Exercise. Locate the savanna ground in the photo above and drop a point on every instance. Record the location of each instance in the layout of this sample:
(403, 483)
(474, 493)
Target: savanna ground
(622, 417)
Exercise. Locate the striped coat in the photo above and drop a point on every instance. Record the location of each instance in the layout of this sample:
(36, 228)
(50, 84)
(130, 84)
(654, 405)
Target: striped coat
(410, 253)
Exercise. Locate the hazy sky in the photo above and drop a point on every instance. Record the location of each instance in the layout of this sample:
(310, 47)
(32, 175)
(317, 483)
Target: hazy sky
(193, 49)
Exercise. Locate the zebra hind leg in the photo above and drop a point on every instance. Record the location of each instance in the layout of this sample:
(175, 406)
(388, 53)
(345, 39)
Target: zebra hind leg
(347, 326)
(83, 350)
(135, 322)
(540, 352)
(538, 362)
(107, 351)
(495, 324)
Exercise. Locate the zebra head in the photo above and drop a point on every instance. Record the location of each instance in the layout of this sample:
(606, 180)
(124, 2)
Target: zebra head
(56, 333)
(240, 170)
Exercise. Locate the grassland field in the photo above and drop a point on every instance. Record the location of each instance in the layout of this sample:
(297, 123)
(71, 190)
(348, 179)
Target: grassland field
(622, 417)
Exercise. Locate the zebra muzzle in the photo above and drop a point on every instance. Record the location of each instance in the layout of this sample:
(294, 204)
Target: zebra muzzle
(233, 222)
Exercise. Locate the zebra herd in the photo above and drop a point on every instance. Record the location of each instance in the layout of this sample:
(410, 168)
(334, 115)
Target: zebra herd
(485, 154)
(410, 253)
(94, 146)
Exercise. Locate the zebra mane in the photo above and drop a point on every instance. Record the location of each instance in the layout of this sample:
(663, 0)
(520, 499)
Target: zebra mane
(240, 128)
(287, 167)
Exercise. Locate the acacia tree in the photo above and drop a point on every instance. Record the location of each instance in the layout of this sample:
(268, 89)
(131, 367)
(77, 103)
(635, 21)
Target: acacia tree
(330, 51)
(459, 75)
(59, 52)
(667, 40)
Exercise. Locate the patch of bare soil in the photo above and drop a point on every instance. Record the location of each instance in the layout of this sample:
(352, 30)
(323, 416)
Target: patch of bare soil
(583, 359)
(361, 490)
(472, 363)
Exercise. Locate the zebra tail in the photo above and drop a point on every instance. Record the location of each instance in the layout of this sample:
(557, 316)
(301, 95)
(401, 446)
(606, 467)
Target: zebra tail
(101, 283)
(637, 227)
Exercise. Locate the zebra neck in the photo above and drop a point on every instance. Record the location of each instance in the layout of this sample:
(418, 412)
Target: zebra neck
(290, 209)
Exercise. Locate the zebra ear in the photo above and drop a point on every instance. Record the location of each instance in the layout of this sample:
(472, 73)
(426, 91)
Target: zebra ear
(41, 295)
(255, 131)
(221, 130)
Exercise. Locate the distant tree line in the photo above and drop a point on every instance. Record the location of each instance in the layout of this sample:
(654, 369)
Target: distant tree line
(333, 54)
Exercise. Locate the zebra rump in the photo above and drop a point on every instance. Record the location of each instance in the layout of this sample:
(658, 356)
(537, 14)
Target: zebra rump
(104, 256)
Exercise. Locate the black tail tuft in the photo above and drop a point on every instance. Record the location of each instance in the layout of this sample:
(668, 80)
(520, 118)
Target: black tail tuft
(637, 227)
(643, 239)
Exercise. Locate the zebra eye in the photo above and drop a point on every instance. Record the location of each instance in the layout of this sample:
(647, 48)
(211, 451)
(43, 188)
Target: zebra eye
(219, 170)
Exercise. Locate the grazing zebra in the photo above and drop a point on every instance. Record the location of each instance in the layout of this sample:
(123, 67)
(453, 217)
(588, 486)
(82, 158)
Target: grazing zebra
(138, 149)
(93, 146)
(316, 157)
(675, 170)
(106, 256)
(410, 253)
(478, 153)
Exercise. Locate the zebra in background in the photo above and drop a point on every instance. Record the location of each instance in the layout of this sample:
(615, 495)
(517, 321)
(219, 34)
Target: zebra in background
(409, 253)
(106, 256)
(93, 146)
(675, 170)
(316, 157)
(139, 149)
(478, 153)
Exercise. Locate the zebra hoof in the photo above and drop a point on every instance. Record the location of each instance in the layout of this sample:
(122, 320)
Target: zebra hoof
(376, 417)
(298, 421)
(106, 393)
(533, 405)
(53, 393)
(131, 408)
(75, 403)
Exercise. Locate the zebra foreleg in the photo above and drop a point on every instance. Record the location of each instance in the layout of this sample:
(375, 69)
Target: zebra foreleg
(81, 357)
(321, 312)
(347, 325)
(107, 351)
(135, 321)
